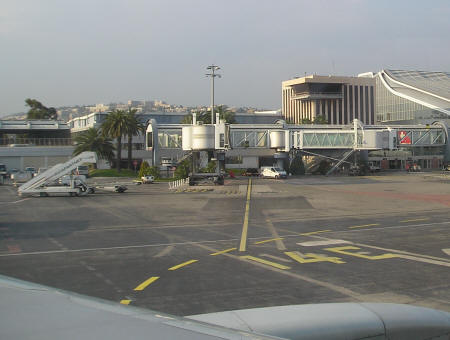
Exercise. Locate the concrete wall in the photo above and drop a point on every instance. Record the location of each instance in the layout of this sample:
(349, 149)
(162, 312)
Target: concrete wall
(38, 157)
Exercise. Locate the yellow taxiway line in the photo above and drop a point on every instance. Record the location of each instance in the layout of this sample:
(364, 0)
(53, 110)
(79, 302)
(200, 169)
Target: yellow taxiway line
(243, 244)
(182, 264)
(125, 302)
(223, 251)
(364, 225)
(146, 283)
(271, 240)
(415, 220)
(315, 232)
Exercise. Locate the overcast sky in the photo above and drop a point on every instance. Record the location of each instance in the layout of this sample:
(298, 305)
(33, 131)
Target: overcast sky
(99, 51)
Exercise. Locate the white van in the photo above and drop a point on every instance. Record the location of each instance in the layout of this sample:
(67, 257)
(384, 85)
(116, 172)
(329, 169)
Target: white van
(272, 172)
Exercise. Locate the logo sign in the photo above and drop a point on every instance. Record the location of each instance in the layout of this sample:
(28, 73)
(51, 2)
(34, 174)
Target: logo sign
(403, 137)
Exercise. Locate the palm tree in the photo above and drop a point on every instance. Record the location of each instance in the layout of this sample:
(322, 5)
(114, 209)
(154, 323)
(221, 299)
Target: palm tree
(93, 140)
(205, 116)
(115, 126)
(134, 127)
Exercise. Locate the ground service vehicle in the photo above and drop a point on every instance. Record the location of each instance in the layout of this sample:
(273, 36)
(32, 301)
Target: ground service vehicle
(272, 172)
(147, 179)
(82, 170)
(373, 167)
(251, 172)
(3, 171)
(355, 170)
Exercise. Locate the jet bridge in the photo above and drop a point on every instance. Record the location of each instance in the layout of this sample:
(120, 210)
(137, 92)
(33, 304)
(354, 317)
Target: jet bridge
(283, 137)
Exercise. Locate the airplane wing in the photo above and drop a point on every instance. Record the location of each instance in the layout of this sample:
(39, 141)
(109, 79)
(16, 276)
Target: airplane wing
(32, 311)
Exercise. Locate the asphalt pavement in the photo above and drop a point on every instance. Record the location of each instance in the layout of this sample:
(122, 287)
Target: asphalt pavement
(249, 243)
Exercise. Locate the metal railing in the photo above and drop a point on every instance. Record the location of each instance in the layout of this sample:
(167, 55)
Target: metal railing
(323, 95)
(36, 142)
(178, 183)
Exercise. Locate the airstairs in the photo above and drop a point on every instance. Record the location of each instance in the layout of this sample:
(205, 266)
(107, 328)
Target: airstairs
(45, 182)
(341, 161)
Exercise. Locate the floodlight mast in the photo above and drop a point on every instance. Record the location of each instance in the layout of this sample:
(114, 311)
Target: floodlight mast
(213, 68)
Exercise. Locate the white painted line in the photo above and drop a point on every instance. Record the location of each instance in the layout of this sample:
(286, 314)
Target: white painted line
(425, 260)
(114, 248)
(388, 227)
(447, 251)
(14, 202)
(322, 243)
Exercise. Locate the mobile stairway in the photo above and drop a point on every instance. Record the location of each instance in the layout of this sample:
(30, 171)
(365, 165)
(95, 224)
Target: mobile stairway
(47, 182)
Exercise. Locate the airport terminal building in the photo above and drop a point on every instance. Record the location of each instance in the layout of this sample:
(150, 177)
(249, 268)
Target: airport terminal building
(338, 99)
(416, 97)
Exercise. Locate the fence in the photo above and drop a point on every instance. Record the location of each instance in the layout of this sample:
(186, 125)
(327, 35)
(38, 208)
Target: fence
(178, 183)
(36, 142)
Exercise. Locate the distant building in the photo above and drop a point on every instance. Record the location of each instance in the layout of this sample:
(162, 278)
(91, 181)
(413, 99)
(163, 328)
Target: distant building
(338, 99)
(412, 96)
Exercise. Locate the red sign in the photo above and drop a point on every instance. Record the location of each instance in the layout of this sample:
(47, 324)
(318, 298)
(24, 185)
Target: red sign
(135, 163)
(404, 138)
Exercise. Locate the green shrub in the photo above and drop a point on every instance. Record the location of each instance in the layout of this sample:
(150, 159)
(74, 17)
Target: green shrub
(297, 167)
(211, 167)
(324, 166)
(148, 170)
(143, 169)
(183, 169)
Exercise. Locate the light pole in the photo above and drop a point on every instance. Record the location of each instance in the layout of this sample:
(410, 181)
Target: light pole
(212, 68)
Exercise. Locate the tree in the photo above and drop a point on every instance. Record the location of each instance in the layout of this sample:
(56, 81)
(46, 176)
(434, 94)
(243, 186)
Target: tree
(305, 121)
(115, 126)
(39, 111)
(183, 169)
(320, 120)
(143, 169)
(205, 116)
(225, 114)
(93, 140)
(324, 166)
(148, 170)
(297, 167)
(134, 127)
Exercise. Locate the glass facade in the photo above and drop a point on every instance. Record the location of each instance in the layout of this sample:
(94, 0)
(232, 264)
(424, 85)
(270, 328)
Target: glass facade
(393, 108)
(390, 107)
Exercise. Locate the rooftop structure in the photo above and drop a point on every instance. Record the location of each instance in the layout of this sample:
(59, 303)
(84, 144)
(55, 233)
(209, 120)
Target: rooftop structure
(414, 96)
(338, 99)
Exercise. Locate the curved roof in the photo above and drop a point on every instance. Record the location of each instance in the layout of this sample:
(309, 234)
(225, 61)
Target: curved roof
(431, 89)
(434, 82)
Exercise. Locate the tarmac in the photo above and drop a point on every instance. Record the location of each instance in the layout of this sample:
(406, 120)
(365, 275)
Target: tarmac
(250, 243)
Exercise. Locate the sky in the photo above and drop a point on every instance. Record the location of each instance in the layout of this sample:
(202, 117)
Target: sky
(66, 53)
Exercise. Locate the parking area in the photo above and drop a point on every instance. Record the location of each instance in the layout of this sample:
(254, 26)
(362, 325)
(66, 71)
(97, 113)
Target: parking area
(249, 243)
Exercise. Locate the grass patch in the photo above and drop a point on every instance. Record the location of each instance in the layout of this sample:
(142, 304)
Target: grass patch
(112, 173)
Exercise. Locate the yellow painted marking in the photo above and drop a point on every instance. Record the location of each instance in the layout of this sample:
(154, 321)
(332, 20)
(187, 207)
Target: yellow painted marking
(415, 220)
(182, 264)
(271, 240)
(313, 258)
(343, 250)
(243, 244)
(364, 225)
(223, 251)
(146, 283)
(315, 232)
(269, 263)
(125, 302)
